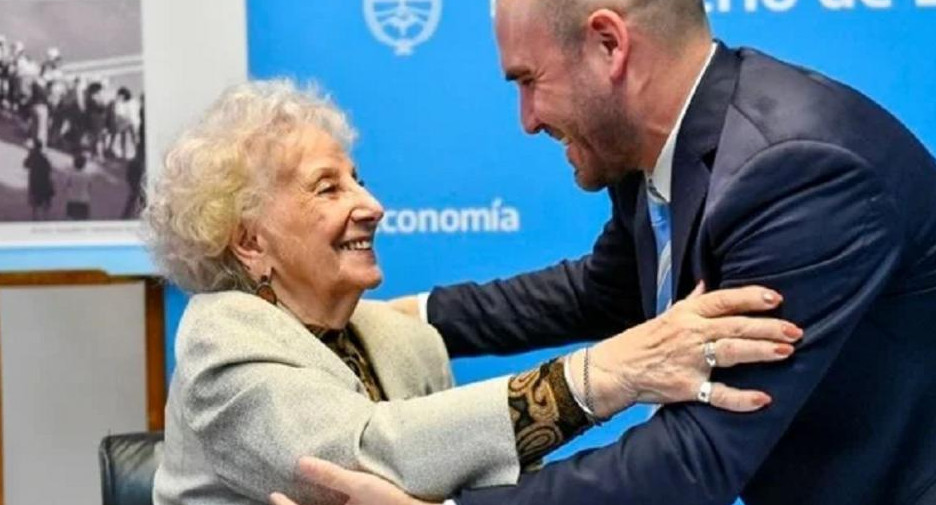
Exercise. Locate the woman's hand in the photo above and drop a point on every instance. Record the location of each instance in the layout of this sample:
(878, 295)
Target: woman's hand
(360, 488)
(664, 360)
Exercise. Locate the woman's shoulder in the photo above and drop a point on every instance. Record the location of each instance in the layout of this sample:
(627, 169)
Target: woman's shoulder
(238, 309)
(236, 304)
(232, 322)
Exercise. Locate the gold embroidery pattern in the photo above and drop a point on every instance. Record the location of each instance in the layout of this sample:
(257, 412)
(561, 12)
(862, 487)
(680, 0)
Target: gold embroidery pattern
(544, 414)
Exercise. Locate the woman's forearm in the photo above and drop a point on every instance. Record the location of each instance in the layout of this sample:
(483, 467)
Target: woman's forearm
(544, 412)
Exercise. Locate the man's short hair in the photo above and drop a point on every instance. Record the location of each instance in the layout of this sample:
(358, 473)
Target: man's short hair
(670, 20)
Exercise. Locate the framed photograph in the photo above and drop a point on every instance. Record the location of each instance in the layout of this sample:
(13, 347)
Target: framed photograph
(91, 93)
(72, 121)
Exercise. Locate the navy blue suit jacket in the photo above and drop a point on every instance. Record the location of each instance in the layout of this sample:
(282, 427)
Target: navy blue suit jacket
(784, 178)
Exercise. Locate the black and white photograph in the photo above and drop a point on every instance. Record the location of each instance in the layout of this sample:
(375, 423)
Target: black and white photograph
(72, 131)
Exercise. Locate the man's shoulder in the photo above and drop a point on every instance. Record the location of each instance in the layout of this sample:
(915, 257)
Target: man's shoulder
(779, 103)
(785, 101)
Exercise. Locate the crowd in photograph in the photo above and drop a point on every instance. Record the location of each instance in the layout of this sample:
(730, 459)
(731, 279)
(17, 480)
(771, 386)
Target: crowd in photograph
(83, 115)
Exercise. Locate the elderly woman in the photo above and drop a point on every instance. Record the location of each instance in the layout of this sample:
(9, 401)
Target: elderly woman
(260, 213)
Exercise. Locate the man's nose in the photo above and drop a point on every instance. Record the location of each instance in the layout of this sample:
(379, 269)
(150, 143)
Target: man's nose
(528, 119)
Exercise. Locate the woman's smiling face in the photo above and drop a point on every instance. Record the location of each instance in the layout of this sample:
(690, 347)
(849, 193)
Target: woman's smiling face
(319, 224)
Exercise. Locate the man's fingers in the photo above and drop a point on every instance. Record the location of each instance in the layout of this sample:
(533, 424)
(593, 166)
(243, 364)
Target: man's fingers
(735, 301)
(737, 400)
(733, 351)
(280, 499)
(754, 328)
(324, 473)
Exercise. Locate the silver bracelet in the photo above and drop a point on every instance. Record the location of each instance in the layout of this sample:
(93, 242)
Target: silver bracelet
(589, 402)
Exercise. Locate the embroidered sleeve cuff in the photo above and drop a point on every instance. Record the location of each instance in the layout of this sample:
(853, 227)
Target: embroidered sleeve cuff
(544, 413)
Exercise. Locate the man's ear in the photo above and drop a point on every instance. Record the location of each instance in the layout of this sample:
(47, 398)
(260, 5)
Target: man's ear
(246, 246)
(608, 33)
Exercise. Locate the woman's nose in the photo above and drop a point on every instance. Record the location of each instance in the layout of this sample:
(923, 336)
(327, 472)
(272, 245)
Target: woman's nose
(367, 208)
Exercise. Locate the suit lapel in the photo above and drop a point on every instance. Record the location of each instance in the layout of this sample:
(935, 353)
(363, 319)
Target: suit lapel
(645, 243)
(391, 352)
(690, 185)
(384, 354)
(696, 147)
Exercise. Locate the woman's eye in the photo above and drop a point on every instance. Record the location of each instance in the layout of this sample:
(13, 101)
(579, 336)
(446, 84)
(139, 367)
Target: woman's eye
(326, 188)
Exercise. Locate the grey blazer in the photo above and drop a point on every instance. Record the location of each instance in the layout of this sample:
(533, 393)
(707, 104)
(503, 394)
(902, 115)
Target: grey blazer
(253, 391)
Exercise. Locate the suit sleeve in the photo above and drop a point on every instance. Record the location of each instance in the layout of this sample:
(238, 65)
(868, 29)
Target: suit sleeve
(256, 409)
(807, 219)
(587, 299)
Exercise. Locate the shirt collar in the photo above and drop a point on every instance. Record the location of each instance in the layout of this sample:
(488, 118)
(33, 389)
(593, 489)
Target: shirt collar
(660, 180)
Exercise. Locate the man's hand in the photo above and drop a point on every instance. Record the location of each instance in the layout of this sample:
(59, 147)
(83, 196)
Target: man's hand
(408, 305)
(360, 488)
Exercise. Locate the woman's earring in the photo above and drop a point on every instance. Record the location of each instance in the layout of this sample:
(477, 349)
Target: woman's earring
(264, 288)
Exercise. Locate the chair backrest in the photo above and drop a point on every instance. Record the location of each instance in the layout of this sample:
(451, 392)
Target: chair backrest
(128, 464)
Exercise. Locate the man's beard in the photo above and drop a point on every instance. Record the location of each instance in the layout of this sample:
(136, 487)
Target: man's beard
(612, 141)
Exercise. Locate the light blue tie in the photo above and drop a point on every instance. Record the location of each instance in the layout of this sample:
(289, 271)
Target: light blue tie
(660, 221)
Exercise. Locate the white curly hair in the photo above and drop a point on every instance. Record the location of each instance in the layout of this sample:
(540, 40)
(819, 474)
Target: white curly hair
(218, 175)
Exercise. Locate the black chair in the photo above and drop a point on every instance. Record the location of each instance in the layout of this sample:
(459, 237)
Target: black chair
(128, 464)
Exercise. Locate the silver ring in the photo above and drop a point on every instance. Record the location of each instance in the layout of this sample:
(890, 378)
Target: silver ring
(708, 352)
(705, 392)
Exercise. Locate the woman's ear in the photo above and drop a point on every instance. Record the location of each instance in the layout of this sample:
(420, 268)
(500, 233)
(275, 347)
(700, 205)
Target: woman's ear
(246, 247)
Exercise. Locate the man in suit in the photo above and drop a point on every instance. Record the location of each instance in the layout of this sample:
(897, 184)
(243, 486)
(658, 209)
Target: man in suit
(734, 168)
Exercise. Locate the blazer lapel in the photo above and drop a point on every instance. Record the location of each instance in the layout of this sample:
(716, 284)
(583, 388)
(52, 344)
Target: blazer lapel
(690, 185)
(696, 148)
(645, 243)
(400, 374)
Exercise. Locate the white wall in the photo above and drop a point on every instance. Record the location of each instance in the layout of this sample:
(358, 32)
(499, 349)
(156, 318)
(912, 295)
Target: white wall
(192, 50)
(73, 367)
